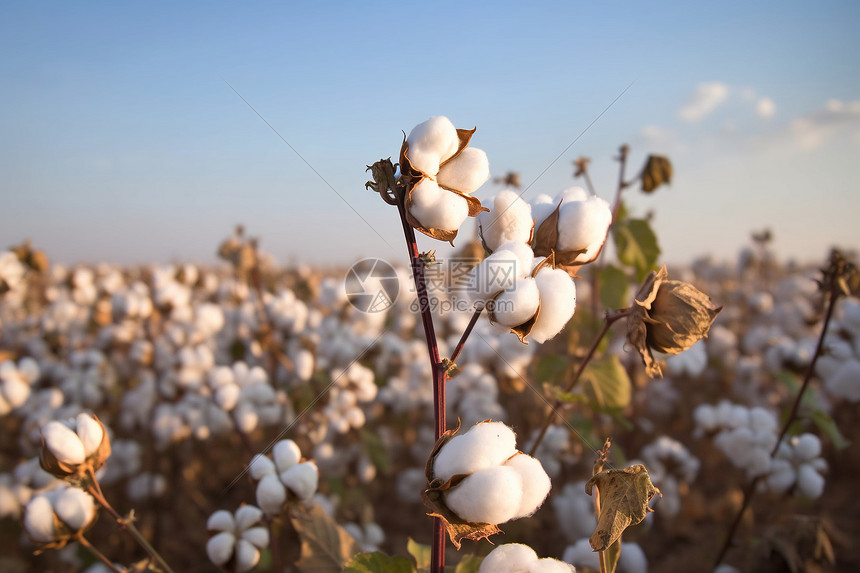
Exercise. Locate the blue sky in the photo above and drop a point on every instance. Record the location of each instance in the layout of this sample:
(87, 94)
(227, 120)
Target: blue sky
(120, 139)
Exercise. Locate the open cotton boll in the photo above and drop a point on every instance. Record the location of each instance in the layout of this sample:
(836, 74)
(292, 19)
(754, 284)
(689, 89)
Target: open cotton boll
(302, 479)
(258, 536)
(247, 516)
(583, 225)
(518, 304)
(508, 558)
(558, 303)
(466, 172)
(550, 565)
(484, 445)
(510, 219)
(75, 508)
(571, 194)
(542, 207)
(491, 495)
(286, 454)
(536, 483)
(260, 466)
(64, 443)
(781, 477)
(806, 447)
(221, 520)
(39, 520)
(843, 384)
(90, 432)
(432, 142)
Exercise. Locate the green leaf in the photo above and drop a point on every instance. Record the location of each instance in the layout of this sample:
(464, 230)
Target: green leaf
(636, 245)
(614, 288)
(421, 553)
(612, 555)
(828, 426)
(469, 564)
(556, 393)
(379, 562)
(607, 383)
(551, 367)
(326, 546)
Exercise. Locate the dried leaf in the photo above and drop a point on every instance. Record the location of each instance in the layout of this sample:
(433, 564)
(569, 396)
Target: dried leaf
(326, 546)
(624, 497)
(657, 171)
(546, 236)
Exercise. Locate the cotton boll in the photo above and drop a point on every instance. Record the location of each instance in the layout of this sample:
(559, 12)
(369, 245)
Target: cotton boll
(247, 516)
(63, 443)
(549, 565)
(260, 466)
(484, 445)
(494, 274)
(571, 194)
(304, 363)
(558, 303)
(781, 477)
(810, 483)
(258, 536)
(633, 559)
(39, 520)
(510, 219)
(524, 257)
(271, 494)
(518, 304)
(705, 417)
(90, 433)
(583, 225)
(508, 558)
(536, 483)
(466, 172)
(227, 396)
(431, 143)
(302, 479)
(762, 420)
(491, 495)
(75, 508)
(845, 383)
(436, 208)
(219, 548)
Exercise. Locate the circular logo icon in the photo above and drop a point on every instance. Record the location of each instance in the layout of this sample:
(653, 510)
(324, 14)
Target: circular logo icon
(371, 285)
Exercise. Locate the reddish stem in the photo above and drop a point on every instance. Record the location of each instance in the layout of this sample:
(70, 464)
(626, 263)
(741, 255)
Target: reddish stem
(459, 348)
(437, 562)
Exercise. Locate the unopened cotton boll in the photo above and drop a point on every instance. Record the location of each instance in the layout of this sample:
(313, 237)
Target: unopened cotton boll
(510, 219)
(518, 304)
(508, 558)
(491, 495)
(432, 142)
(485, 445)
(583, 225)
(465, 172)
(558, 303)
(536, 483)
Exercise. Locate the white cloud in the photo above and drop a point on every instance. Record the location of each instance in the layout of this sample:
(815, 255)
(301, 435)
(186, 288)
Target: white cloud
(765, 108)
(810, 131)
(702, 102)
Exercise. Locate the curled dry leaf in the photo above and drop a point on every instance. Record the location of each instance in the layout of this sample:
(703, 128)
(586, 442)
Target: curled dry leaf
(657, 171)
(624, 497)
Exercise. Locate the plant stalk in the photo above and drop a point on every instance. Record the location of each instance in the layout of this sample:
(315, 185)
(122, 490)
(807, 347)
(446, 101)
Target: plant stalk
(750, 490)
(98, 554)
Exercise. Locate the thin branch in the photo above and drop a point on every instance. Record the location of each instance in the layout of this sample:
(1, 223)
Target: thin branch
(98, 554)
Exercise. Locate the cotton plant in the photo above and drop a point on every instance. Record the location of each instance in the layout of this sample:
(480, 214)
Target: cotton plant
(798, 468)
(16, 382)
(745, 435)
(55, 517)
(236, 539)
(285, 473)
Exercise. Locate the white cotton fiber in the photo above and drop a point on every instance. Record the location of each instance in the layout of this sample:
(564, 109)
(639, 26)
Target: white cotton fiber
(286, 454)
(557, 303)
(571, 194)
(583, 225)
(466, 172)
(845, 383)
(63, 443)
(806, 447)
(75, 508)
(90, 432)
(271, 494)
(258, 536)
(302, 479)
(246, 516)
(508, 558)
(581, 555)
(436, 208)
(491, 495)
(536, 483)
(509, 219)
(810, 483)
(518, 304)
(550, 565)
(542, 207)
(221, 520)
(494, 274)
(781, 477)
(485, 445)
(260, 466)
(219, 548)
(431, 143)
(633, 559)
(247, 556)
